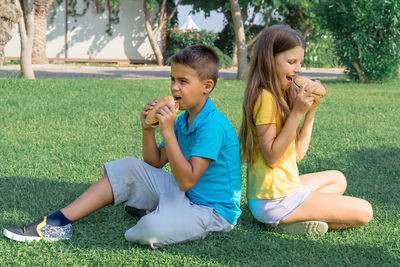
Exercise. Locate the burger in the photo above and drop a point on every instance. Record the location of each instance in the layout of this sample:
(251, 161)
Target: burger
(319, 92)
(151, 118)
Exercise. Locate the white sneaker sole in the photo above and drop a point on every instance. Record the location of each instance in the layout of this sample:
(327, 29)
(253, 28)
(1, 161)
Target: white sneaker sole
(307, 227)
(21, 238)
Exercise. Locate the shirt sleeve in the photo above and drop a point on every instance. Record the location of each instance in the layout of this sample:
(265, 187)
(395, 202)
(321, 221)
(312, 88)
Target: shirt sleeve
(208, 141)
(265, 110)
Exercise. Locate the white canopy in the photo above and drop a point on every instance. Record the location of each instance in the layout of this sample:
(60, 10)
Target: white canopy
(189, 25)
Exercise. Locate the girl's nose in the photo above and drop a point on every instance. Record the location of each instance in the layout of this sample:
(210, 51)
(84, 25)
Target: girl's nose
(297, 68)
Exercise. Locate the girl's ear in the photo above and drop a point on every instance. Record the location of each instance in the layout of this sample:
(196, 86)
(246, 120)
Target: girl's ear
(208, 86)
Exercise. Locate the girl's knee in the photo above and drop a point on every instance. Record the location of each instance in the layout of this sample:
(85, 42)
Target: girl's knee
(340, 180)
(362, 214)
(366, 213)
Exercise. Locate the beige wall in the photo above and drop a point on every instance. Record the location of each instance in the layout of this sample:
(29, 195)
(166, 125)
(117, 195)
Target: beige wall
(87, 38)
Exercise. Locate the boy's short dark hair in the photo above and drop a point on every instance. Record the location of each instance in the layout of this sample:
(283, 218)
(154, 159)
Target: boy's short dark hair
(201, 58)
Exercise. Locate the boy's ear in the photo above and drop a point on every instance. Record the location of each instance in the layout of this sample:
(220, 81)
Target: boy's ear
(208, 85)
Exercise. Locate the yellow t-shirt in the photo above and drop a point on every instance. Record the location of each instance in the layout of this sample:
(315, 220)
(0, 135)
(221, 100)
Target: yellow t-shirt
(264, 182)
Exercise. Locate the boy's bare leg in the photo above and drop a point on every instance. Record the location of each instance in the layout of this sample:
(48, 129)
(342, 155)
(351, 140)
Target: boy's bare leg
(57, 225)
(94, 198)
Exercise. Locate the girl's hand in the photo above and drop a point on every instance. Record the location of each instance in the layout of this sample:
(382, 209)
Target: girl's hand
(317, 100)
(143, 115)
(304, 100)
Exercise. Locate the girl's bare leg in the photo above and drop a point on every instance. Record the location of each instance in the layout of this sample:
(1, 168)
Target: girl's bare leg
(327, 182)
(327, 204)
(94, 198)
(338, 211)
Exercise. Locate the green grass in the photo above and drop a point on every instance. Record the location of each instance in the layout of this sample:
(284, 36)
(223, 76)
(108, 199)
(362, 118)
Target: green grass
(55, 135)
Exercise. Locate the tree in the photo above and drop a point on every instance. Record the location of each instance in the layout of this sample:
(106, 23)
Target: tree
(26, 32)
(240, 39)
(40, 31)
(9, 15)
(163, 18)
(239, 21)
(258, 7)
(366, 36)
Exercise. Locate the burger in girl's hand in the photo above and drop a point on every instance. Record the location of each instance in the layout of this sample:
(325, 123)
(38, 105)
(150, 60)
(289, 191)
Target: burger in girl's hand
(319, 92)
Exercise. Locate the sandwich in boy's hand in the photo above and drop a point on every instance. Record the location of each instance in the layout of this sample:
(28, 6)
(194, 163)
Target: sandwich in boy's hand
(150, 117)
(319, 92)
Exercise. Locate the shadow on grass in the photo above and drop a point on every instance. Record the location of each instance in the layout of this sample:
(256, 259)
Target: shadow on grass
(377, 172)
(372, 174)
(248, 244)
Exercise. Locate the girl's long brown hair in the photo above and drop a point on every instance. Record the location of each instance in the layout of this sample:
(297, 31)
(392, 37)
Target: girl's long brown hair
(262, 75)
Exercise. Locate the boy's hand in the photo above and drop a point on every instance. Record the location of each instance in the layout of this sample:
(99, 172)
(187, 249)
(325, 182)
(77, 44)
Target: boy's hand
(143, 115)
(166, 116)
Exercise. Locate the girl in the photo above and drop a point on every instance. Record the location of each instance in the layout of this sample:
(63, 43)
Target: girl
(272, 142)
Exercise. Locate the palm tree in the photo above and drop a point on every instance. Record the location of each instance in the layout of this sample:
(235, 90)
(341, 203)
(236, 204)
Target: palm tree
(39, 38)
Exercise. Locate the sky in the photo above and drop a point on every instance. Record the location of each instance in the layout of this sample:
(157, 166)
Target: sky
(213, 23)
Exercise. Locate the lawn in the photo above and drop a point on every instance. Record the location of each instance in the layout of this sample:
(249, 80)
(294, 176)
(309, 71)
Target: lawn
(56, 134)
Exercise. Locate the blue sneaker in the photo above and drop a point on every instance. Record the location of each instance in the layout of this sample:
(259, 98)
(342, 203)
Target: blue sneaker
(39, 230)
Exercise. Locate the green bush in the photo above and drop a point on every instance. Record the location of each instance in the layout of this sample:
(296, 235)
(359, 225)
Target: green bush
(319, 53)
(179, 39)
(366, 36)
(225, 61)
(226, 42)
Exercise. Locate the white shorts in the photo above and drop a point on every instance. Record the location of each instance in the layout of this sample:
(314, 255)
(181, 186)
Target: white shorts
(174, 218)
(272, 211)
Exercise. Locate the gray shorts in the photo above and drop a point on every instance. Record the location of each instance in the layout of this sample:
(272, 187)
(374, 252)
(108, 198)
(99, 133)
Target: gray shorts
(272, 211)
(174, 218)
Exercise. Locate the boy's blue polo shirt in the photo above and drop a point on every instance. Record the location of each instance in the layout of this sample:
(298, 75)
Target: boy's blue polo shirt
(211, 136)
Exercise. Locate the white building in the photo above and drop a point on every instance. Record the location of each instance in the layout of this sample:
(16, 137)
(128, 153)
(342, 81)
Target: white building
(85, 39)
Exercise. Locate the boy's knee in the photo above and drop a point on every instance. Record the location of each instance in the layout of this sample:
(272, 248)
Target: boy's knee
(137, 236)
(146, 232)
(131, 160)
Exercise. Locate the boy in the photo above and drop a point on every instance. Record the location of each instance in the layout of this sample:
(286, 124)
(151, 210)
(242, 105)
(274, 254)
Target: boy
(203, 192)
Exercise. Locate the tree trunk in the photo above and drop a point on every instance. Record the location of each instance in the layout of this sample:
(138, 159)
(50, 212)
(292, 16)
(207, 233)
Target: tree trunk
(162, 21)
(234, 56)
(39, 38)
(26, 32)
(152, 36)
(266, 25)
(9, 15)
(361, 76)
(240, 39)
